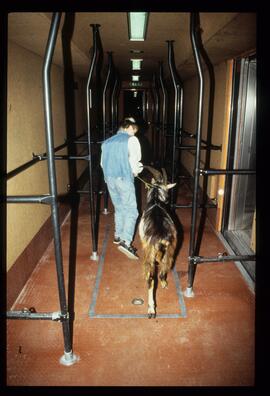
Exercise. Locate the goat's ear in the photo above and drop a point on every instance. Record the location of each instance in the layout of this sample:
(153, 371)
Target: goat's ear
(171, 185)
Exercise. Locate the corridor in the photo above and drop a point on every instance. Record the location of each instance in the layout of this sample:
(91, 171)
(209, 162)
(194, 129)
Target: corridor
(207, 340)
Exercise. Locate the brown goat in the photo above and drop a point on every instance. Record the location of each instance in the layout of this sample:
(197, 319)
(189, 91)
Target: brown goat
(158, 235)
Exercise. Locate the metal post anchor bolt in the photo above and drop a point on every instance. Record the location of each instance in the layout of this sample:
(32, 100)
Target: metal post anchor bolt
(94, 256)
(69, 358)
(189, 292)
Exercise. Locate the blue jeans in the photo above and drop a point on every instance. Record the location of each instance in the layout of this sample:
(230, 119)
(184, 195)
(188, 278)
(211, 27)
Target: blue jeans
(122, 193)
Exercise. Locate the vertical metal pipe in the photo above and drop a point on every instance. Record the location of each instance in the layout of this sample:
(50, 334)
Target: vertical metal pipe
(117, 94)
(104, 108)
(68, 357)
(112, 105)
(3, 155)
(98, 84)
(153, 119)
(229, 160)
(176, 110)
(94, 255)
(192, 266)
(181, 106)
(156, 120)
(114, 125)
(144, 105)
(164, 113)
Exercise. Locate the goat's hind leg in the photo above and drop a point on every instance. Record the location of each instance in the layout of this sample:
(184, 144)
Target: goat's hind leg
(149, 273)
(163, 279)
(151, 302)
(160, 257)
(165, 266)
(162, 261)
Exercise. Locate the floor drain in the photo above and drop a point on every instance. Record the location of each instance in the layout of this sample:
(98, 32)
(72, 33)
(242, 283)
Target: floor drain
(137, 301)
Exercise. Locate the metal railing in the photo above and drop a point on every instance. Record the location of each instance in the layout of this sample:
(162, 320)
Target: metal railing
(194, 258)
(51, 199)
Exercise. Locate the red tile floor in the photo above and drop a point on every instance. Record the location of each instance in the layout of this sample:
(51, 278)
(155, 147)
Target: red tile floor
(207, 340)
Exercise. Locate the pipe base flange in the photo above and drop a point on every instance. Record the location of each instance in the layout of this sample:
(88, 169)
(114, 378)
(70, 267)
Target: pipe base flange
(94, 256)
(189, 292)
(69, 358)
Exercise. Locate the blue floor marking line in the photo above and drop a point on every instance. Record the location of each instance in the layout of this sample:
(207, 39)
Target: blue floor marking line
(131, 316)
(99, 273)
(179, 293)
(92, 313)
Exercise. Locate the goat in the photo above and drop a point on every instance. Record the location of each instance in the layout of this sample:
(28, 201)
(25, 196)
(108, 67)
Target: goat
(158, 235)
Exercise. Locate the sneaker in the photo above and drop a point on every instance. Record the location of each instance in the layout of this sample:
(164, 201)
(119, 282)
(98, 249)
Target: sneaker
(117, 240)
(128, 250)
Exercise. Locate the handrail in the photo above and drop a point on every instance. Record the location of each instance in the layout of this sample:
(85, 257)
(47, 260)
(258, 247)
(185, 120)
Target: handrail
(36, 158)
(26, 165)
(41, 199)
(190, 135)
(21, 168)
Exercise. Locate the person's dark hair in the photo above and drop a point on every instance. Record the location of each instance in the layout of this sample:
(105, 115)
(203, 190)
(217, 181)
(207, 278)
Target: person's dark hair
(127, 122)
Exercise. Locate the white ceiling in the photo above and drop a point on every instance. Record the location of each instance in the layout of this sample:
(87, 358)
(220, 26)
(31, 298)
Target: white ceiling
(224, 35)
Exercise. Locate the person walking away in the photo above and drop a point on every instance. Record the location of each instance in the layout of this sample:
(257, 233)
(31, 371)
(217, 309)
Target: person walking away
(120, 162)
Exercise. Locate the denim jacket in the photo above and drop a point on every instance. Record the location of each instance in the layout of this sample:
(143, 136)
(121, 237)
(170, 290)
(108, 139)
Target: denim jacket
(115, 157)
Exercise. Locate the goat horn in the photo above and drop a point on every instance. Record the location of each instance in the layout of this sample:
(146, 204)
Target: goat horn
(155, 172)
(164, 173)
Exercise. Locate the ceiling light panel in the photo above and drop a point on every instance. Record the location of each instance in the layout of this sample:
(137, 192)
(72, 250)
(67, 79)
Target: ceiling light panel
(135, 51)
(136, 64)
(137, 25)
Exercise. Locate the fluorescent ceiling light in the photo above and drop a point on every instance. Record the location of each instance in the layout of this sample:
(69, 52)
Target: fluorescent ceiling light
(135, 51)
(136, 64)
(135, 78)
(137, 25)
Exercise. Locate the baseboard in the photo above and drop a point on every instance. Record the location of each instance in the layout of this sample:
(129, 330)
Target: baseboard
(23, 267)
(25, 264)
